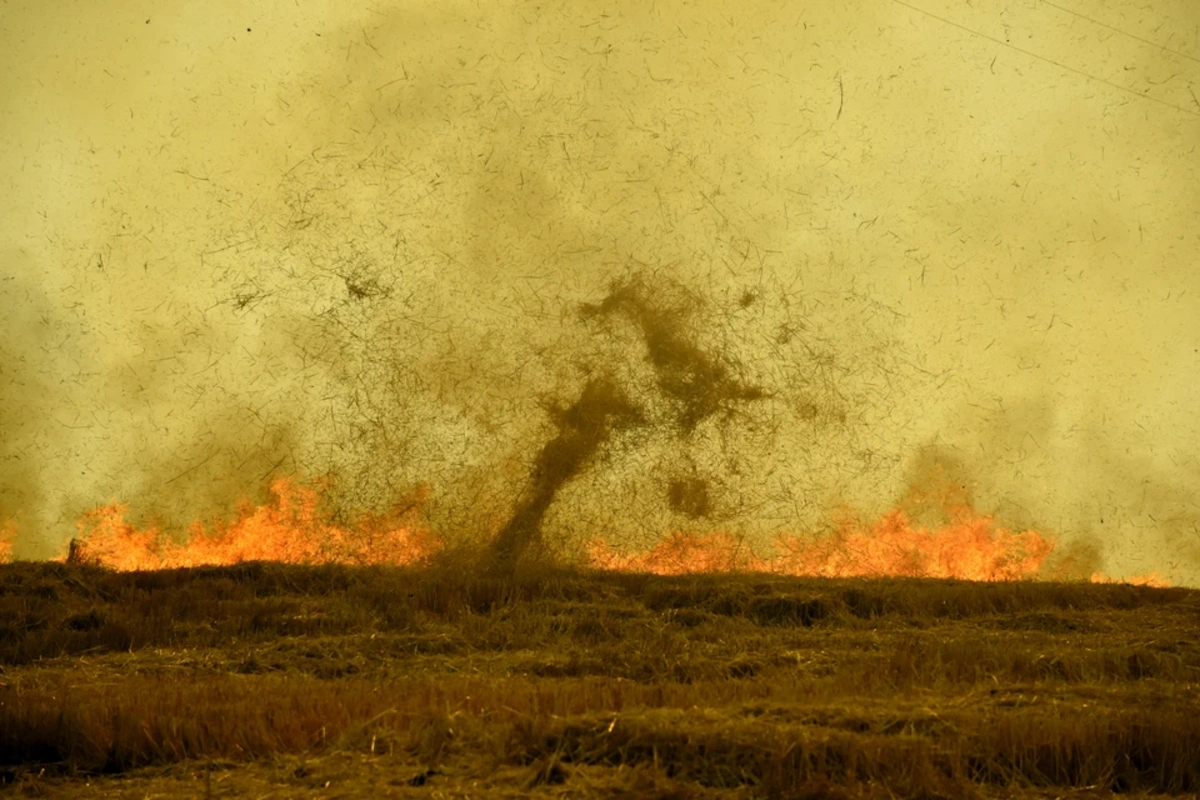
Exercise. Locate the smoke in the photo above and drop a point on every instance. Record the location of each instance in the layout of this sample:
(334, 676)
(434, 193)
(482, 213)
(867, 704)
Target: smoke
(583, 427)
(239, 243)
(26, 394)
(696, 385)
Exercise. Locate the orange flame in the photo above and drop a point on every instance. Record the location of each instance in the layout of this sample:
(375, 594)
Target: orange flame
(292, 528)
(1148, 579)
(969, 547)
(8, 535)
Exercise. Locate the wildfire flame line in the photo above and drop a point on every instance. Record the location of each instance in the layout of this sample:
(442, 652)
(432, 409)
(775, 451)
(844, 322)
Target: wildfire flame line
(289, 529)
(971, 548)
(293, 528)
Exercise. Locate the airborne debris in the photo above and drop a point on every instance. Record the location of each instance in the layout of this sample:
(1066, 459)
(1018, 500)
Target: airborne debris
(697, 384)
(583, 427)
(689, 496)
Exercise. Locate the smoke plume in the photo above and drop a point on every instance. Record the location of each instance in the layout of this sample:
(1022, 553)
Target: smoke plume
(417, 245)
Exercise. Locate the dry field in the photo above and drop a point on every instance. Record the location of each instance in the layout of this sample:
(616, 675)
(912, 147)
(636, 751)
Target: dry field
(267, 681)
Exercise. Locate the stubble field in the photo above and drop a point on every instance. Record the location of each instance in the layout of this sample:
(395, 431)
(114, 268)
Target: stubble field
(271, 681)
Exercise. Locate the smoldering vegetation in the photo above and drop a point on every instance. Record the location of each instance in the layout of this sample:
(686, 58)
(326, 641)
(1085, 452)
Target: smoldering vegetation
(379, 680)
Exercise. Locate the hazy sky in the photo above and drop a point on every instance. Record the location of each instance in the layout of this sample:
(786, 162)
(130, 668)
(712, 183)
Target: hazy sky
(239, 239)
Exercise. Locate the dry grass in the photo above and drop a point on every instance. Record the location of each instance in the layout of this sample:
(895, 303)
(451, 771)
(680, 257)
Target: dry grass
(308, 681)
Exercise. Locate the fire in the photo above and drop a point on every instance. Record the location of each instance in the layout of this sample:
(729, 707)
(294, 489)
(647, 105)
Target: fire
(1148, 579)
(292, 528)
(969, 547)
(8, 535)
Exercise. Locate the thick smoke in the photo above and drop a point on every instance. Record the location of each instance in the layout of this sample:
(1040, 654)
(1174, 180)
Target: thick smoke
(643, 407)
(582, 428)
(243, 243)
(27, 341)
(696, 384)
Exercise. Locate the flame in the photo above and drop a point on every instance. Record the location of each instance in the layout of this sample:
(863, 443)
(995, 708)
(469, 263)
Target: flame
(8, 535)
(1148, 579)
(969, 547)
(966, 545)
(291, 528)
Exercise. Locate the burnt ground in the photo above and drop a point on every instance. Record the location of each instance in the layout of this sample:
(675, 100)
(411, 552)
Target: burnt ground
(267, 681)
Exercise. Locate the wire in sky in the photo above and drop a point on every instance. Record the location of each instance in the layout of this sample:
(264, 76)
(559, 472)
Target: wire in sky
(1059, 64)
